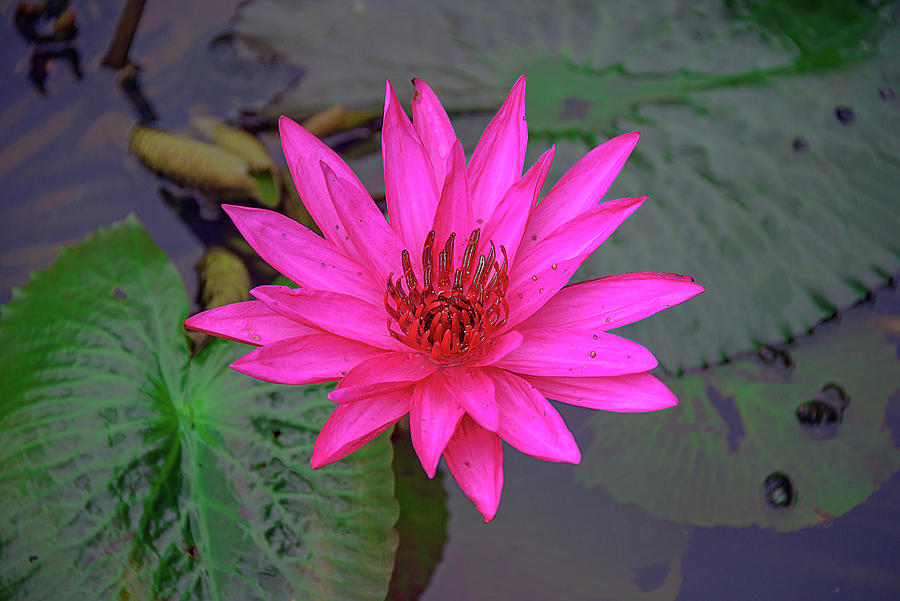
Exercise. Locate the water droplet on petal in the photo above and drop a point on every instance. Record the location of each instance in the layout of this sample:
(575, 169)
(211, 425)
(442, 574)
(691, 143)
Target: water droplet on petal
(534, 277)
(553, 266)
(593, 353)
(595, 337)
(540, 290)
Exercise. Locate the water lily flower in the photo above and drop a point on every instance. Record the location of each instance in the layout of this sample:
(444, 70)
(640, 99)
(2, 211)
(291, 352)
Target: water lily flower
(456, 311)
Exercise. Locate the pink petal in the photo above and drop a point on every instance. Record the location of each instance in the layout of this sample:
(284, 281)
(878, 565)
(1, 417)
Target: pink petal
(614, 301)
(433, 128)
(308, 359)
(382, 373)
(494, 349)
(581, 188)
(573, 352)
(302, 256)
(472, 389)
(530, 423)
(377, 245)
(454, 210)
(250, 322)
(433, 417)
(303, 152)
(546, 267)
(475, 458)
(333, 312)
(500, 154)
(507, 223)
(409, 185)
(354, 424)
(626, 394)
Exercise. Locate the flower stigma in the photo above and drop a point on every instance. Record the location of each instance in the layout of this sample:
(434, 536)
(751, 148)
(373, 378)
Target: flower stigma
(450, 318)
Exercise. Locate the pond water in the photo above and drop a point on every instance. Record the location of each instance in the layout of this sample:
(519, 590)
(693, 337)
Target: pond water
(562, 532)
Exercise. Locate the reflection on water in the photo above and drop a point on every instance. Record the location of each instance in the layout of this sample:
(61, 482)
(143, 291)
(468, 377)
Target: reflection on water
(65, 170)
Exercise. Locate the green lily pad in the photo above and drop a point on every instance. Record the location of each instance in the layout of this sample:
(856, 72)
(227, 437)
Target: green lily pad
(756, 443)
(422, 525)
(130, 471)
(768, 146)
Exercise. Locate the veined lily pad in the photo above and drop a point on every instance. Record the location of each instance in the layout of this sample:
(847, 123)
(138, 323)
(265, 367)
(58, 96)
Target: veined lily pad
(768, 147)
(128, 470)
(751, 443)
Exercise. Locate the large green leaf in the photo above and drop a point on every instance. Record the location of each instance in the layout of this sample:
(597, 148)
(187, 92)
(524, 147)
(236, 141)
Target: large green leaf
(130, 471)
(722, 455)
(768, 151)
(422, 525)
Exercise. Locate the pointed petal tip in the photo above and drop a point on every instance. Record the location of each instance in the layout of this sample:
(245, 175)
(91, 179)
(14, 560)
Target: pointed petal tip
(327, 171)
(575, 456)
(488, 515)
(390, 97)
(287, 127)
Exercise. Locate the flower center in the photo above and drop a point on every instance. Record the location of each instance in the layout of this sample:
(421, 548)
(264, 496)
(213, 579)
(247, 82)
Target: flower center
(449, 318)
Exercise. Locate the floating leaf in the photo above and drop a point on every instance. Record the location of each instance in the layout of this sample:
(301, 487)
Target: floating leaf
(236, 141)
(824, 33)
(268, 188)
(336, 119)
(741, 447)
(245, 145)
(224, 278)
(422, 525)
(768, 157)
(130, 471)
(193, 164)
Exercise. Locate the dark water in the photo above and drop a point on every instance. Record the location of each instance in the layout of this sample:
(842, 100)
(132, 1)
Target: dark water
(65, 171)
(553, 539)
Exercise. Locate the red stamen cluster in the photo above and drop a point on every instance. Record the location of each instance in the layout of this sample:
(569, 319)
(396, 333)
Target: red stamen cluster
(448, 319)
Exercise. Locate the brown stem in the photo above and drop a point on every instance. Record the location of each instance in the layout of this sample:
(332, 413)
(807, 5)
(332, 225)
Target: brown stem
(117, 54)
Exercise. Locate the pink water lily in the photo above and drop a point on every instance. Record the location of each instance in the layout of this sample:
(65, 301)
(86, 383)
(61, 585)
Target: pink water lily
(455, 312)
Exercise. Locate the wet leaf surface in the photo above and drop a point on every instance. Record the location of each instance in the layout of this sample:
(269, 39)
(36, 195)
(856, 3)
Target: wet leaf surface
(743, 446)
(767, 145)
(130, 471)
